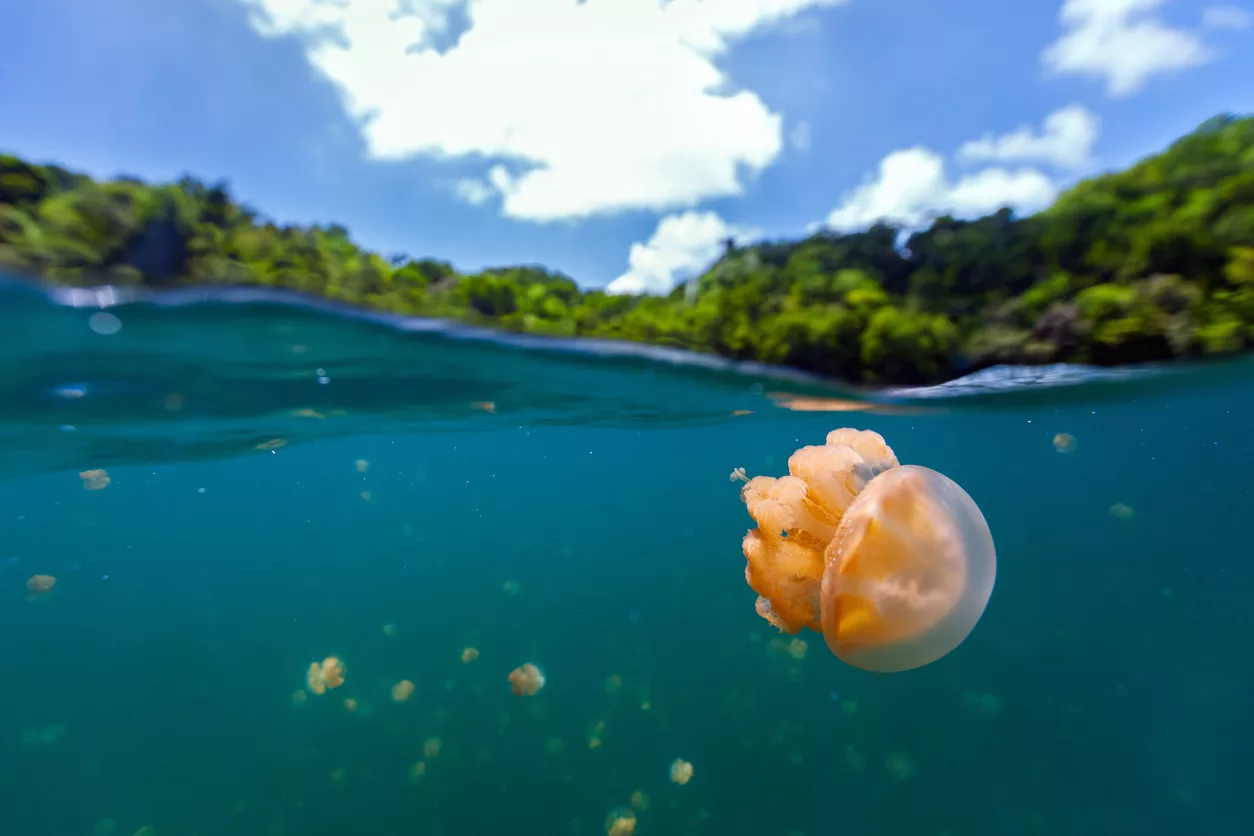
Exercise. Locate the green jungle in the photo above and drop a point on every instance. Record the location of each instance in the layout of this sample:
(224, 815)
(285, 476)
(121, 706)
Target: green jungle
(1147, 264)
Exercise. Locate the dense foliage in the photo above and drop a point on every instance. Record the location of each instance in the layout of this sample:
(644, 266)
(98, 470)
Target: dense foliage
(1145, 264)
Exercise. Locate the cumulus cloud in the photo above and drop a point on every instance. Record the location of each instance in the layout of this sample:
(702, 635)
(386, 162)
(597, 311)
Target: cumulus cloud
(585, 107)
(911, 187)
(1123, 42)
(681, 245)
(1226, 17)
(1066, 140)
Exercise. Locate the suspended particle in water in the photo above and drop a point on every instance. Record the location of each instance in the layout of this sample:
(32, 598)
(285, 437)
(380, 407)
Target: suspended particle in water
(681, 771)
(104, 323)
(1064, 443)
(95, 480)
(485, 406)
(174, 401)
(526, 680)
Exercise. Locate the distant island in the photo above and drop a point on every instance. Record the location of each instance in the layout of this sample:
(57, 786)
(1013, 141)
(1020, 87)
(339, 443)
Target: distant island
(1147, 264)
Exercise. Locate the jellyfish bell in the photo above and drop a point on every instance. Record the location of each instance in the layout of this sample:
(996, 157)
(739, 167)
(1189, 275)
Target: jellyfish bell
(893, 564)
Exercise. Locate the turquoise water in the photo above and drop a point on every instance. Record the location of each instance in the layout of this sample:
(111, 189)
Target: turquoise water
(585, 522)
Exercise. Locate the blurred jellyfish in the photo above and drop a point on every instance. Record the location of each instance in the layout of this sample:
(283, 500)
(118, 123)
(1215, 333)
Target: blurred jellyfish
(469, 655)
(325, 675)
(681, 771)
(300, 697)
(893, 564)
(350, 704)
(362, 465)
(402, 690)
(389, 629)
(40, 585)
(620, 822)
(526, 680)
(640, 801)
(1121, 511)
(1064, 442)
(510, 587)
(431, 748)
(95, 480)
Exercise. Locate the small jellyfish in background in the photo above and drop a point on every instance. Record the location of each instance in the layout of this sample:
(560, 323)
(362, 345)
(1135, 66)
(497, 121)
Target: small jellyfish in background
(469, 655)
(526, 680)
(95, 480)
(38, 586)
(1064, 443)
(325, 675)
(362, 465)
(402, 690)
(620, 822)
(681, 771)
(350, 705)
(893, 564)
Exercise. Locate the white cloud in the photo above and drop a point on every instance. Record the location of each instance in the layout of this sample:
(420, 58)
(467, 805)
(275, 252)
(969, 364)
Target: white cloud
(1226, 17)
(589, 107)
(1122, 42)
(1066, 141)
(681, 245)
(912, 187)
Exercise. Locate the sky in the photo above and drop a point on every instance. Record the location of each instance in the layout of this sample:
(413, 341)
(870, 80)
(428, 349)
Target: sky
(616, 141)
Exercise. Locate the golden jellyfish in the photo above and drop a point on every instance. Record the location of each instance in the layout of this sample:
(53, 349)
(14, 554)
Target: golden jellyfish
(431, 748)
(325, 675)
(469, 655)
(40, 584)
(362, 465)
(893, 564)
(350, 704)
(95, 480)
(526, 680)
(620, 822)
(402, 690)
(1064, 442)
(681, 771)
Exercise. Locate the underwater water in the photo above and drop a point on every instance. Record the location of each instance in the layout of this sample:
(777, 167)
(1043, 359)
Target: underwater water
(283, 483)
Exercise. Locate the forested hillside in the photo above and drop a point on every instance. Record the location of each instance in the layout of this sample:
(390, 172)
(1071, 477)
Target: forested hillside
(1145, 264)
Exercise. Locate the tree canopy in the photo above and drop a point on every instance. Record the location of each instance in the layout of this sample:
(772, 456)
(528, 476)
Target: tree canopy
(1145, 264)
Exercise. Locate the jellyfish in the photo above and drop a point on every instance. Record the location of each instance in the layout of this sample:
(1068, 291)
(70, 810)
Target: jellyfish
(681, 771)
(38, 585)
(95, 480)
(325, 675)
(526, 680)
(893, 564)
(469, 655)
(402, 690)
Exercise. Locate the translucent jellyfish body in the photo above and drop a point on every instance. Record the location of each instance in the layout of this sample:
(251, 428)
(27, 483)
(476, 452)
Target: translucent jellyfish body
(892, 563)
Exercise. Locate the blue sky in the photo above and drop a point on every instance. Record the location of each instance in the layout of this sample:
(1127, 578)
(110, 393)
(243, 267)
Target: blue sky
(615, 140)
